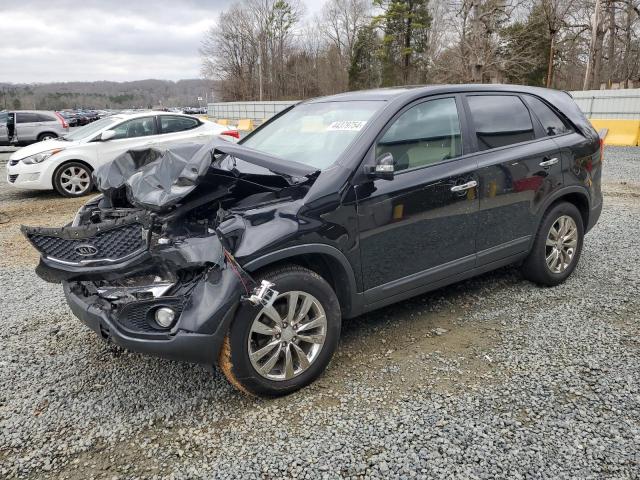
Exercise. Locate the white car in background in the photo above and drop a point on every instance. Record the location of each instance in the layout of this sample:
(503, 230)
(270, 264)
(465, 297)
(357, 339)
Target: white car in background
(65, 164)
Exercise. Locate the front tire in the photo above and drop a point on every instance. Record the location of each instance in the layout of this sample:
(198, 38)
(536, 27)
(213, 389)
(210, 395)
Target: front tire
(557, 246)
(276, 351)
(73, 179)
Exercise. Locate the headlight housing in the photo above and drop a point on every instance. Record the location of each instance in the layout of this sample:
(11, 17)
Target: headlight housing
(40, 157)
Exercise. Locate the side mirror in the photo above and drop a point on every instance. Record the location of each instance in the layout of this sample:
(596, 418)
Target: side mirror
(384, 167)
(107, 135)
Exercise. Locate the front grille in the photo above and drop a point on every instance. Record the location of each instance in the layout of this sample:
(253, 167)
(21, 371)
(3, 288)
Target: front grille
(139, 316)
(113, 245)
(13, 163)
(13, 178)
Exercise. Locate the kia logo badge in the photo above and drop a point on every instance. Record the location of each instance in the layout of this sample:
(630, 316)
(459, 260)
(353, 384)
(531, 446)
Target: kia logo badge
(86, 250)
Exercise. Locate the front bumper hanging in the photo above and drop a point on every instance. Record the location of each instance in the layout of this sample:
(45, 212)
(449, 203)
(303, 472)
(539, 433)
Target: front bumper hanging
(195, 277)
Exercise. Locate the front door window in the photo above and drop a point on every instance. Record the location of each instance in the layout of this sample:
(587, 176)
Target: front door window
(426, 134)
(137, 127)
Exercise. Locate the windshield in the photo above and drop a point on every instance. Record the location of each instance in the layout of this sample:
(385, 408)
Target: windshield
(88, 130)
(314, 133)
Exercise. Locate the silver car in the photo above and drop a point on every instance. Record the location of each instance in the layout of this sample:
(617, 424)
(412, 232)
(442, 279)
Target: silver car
(28, 126)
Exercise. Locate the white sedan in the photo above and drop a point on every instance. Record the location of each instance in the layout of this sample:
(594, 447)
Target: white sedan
(65, 164)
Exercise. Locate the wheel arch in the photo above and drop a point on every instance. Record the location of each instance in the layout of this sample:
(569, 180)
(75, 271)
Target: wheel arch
(327, 261)
(63, 163)
(72, 160)
(42, 134)
(576, 195)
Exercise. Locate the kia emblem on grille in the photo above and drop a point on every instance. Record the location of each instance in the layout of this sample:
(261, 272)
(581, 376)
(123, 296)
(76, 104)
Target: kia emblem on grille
(86, 250)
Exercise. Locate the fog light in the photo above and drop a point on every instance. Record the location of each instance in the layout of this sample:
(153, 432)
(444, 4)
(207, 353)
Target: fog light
(165, 317)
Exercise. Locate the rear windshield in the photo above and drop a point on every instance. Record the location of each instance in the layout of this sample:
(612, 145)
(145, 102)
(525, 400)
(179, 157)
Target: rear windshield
(314, 133)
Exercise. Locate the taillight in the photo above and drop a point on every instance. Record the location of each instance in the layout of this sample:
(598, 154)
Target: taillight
(601, 149)
(232, 133)
(62, 120)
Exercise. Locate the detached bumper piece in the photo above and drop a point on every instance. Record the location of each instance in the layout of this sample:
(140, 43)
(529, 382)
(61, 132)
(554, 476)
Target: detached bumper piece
(127, 286)
(176, 344)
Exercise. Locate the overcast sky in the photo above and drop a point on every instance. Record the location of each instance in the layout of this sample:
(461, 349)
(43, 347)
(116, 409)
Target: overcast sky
(87, 40)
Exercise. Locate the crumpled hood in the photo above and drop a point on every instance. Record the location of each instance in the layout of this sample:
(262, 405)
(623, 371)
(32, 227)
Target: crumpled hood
(157, 179)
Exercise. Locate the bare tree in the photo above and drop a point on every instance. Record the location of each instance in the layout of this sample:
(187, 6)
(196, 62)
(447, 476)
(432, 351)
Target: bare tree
(266, 49)
(555, 14)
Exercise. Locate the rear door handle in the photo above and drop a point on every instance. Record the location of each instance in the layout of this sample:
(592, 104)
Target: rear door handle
(548, 163)
(464, 186)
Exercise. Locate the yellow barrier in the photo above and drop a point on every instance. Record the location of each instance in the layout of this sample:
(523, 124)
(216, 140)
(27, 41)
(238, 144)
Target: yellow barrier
(222, 121)
(245, 125)
(621, 132)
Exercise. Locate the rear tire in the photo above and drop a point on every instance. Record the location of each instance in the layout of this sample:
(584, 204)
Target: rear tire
(46, 136)
(557, 246)
(73, 179)
(260, 356)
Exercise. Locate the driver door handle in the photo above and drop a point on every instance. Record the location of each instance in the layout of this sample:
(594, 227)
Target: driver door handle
(464, 186)
(548, 163)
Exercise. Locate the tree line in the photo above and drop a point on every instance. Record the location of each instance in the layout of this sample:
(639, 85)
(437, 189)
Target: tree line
(270, 50)
(134, 94)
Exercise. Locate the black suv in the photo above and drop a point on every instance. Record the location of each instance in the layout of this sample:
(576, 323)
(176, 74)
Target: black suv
(249, 255)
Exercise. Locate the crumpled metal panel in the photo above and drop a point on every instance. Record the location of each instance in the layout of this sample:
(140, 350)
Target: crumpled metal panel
(156, 179)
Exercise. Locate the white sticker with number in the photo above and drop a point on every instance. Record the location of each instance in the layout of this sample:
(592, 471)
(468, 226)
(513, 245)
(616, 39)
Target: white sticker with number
(347, 126)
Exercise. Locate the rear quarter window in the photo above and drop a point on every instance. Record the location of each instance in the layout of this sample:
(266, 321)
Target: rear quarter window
(46, 117)
(171, 124)
(551, 122)
(500, 120)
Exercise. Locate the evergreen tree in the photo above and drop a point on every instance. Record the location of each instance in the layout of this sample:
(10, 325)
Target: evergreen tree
(530, 39)
(405, 25)
(363, 71)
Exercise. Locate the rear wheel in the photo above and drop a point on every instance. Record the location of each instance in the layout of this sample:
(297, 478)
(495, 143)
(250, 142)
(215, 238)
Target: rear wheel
(278, 350)
(73, 179)
(46, 136)
(557, 246)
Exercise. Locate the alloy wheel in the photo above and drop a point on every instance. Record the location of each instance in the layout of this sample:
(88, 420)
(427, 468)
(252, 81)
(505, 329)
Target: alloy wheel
(287, 337)
(75, 180)
(561, 244)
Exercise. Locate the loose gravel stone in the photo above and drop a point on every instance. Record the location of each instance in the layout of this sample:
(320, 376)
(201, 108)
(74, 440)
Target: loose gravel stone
(490, 378)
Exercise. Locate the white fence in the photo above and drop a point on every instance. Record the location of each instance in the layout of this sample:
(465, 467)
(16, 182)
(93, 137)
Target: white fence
(256, 111)
(623, 104)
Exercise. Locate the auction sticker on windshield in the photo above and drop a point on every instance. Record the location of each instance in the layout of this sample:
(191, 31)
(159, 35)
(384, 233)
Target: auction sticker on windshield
(347, 125)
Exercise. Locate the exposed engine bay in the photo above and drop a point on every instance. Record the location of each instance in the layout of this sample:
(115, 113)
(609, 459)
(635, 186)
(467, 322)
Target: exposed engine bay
(153, 256)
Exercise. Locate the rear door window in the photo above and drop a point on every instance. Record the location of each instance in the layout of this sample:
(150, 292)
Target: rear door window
(172, 124)
(26, 117)
(500, 120)
(552, 124)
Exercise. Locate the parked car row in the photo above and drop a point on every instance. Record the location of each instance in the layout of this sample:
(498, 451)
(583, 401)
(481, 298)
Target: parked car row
(79, 118)
(66, 163)
(195, 110)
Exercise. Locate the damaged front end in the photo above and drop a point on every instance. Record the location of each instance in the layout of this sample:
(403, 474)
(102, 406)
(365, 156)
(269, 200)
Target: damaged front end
(150, 263)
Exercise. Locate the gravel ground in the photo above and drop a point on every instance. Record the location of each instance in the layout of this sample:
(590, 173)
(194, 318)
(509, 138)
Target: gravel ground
(489, 378)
